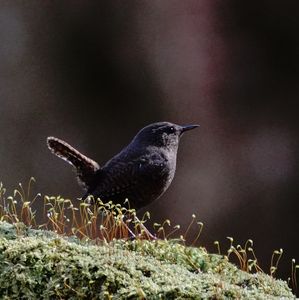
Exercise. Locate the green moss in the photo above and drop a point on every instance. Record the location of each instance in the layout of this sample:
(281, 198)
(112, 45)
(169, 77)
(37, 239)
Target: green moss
(41, 265)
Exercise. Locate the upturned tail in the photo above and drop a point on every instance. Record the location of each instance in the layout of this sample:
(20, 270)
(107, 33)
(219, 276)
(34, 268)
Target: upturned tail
(85, 167)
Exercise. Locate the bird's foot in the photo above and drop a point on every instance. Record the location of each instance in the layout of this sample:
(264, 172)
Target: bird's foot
(144, 232)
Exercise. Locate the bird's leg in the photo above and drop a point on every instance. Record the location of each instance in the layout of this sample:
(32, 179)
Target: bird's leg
(132, 234)
(145, 230)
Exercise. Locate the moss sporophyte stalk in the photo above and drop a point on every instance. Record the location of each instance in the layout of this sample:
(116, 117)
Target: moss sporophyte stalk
(105, 252)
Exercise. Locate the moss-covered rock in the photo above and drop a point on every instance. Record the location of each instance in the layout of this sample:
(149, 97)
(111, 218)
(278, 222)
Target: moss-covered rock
(42, 265)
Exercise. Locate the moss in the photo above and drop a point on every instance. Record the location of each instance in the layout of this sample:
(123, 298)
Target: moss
(38, 264)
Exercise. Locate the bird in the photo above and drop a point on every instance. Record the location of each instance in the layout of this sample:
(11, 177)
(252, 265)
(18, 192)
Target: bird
(140, 173)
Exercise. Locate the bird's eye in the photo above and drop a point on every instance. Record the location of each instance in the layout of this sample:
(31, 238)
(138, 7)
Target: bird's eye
(171, 129)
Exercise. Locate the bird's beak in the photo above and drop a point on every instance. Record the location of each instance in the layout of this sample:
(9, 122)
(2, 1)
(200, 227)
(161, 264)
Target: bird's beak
(187, 127)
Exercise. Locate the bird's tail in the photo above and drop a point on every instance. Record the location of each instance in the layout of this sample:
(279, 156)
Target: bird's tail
(85, 167)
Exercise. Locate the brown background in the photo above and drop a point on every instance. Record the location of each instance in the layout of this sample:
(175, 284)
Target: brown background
(95, 73)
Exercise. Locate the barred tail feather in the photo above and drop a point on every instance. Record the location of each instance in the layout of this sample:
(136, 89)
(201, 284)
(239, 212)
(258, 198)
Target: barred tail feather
(85, 166)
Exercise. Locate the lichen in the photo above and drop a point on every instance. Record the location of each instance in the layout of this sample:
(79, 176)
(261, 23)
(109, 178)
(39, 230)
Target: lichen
(36, 264)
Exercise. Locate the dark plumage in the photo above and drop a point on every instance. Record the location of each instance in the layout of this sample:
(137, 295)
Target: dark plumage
(141, 172)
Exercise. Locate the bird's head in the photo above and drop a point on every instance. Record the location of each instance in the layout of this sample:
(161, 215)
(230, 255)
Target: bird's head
(161, 134)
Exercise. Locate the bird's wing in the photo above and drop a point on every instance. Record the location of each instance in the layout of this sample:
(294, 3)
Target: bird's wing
(135, 180)
(85, 167)
(119, 179)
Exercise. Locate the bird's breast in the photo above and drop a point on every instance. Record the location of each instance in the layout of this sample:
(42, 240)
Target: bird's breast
(165, 166)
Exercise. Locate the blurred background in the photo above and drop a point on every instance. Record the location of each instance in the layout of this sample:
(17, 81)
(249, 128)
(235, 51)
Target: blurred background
(95, 72)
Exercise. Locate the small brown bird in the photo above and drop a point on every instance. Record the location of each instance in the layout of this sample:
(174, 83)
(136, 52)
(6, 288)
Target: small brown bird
(141, 172)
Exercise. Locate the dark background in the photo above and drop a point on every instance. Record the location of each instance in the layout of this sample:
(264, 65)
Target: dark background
(95, 72)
